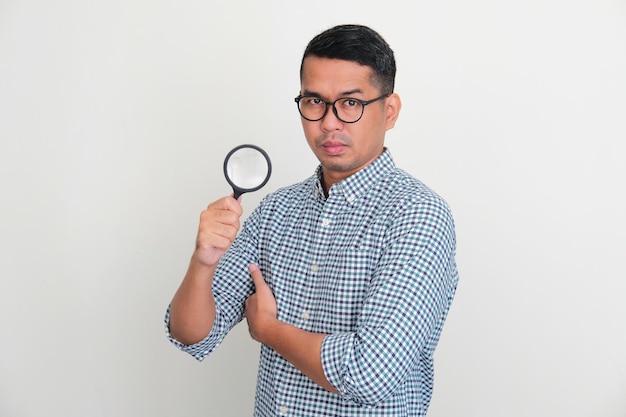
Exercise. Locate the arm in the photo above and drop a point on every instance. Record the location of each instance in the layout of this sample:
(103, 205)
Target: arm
(301, 348)
(409, 293)
(192, 310)
(410, 286)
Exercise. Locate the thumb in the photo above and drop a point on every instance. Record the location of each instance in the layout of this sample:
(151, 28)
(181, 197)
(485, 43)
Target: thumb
(256, 275)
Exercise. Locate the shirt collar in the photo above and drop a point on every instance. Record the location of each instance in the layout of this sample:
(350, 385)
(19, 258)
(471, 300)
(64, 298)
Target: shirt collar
(359, 183)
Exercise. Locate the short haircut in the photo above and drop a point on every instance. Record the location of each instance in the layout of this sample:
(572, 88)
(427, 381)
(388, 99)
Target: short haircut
(358, 44)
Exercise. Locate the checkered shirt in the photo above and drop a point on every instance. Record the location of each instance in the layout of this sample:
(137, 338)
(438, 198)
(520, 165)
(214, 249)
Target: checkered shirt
(372, 266)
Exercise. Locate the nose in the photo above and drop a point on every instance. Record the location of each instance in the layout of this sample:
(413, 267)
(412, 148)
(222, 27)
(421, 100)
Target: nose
(330, 121)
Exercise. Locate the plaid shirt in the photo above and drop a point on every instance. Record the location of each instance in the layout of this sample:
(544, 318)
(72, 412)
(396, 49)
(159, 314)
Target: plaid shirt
(372, 266)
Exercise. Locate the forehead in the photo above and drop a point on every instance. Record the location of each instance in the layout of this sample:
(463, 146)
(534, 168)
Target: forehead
(332, 77)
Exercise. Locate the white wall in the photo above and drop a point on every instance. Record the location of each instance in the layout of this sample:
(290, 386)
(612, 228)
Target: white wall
(115, 117)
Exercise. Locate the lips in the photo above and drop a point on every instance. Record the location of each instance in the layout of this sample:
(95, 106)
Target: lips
(332, 147)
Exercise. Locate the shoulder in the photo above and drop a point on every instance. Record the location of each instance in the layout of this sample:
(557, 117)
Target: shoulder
(408, 207)
(288, 196)
(405, 192)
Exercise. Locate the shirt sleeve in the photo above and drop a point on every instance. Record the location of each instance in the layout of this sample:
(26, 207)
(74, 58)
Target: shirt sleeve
(407, 301)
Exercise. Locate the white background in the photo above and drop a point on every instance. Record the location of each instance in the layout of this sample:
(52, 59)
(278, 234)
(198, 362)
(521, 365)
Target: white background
(115, 117)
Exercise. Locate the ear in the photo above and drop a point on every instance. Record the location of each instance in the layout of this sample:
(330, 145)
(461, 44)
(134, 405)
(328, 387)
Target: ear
(394, 104)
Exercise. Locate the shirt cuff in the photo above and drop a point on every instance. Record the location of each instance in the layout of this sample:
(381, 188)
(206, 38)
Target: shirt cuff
(335, 355)
(199, 350)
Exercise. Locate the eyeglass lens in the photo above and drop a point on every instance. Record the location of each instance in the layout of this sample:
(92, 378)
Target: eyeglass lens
(346, 109)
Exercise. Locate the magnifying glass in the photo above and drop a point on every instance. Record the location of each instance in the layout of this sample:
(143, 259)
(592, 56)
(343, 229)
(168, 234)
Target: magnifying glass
(247, 168)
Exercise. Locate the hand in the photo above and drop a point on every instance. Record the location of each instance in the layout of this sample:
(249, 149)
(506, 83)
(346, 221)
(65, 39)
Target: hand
(219, 225)
(261, 310)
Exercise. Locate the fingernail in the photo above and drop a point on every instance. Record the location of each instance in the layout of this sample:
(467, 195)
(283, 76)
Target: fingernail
(253, 267)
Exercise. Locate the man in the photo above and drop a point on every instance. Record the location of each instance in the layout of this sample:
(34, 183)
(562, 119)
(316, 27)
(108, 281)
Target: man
(345, 278)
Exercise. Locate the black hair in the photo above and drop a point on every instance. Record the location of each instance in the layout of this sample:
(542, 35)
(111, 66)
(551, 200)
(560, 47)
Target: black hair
(359, 44)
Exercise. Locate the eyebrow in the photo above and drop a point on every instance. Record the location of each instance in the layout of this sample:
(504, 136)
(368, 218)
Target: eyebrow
(343, 94)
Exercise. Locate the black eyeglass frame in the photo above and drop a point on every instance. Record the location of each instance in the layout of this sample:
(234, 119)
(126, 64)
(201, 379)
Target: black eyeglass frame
(332, 104)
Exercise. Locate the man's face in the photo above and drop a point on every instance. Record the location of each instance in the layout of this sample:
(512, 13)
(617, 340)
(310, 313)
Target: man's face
(345, 148)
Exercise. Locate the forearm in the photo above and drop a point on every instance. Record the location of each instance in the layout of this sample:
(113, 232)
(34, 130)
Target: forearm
(301, 348)
(192, 310)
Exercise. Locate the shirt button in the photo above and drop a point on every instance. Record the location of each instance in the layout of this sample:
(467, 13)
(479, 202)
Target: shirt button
(325, 222)
(315, 268)
(306, 315)
(283, 410)
(351, 199)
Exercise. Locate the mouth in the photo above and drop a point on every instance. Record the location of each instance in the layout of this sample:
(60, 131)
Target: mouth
(333, 147)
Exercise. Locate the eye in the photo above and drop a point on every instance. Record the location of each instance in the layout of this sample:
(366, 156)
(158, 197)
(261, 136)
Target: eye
(313, 101)
(350, 103)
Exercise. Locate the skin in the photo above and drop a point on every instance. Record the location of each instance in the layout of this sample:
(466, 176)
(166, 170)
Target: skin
(345, 148)
(192, 310)
(342, 149)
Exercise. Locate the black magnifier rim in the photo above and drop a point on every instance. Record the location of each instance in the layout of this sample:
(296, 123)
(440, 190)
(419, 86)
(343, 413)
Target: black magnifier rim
(267, 177)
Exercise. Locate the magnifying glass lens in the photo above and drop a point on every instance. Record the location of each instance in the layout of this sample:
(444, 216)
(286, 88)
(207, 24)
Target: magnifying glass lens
(247, 168)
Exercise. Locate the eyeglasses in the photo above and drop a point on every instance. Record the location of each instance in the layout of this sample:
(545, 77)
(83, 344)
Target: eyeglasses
(346, 109)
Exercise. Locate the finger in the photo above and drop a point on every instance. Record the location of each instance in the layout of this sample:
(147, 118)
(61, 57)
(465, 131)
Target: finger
(217, 220)
(222, 223)
(228, 203)
(234, 205)
(215, 233)
(256, 275)
(232, 195)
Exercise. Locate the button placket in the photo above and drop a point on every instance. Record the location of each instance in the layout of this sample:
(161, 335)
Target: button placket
(282, 386)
